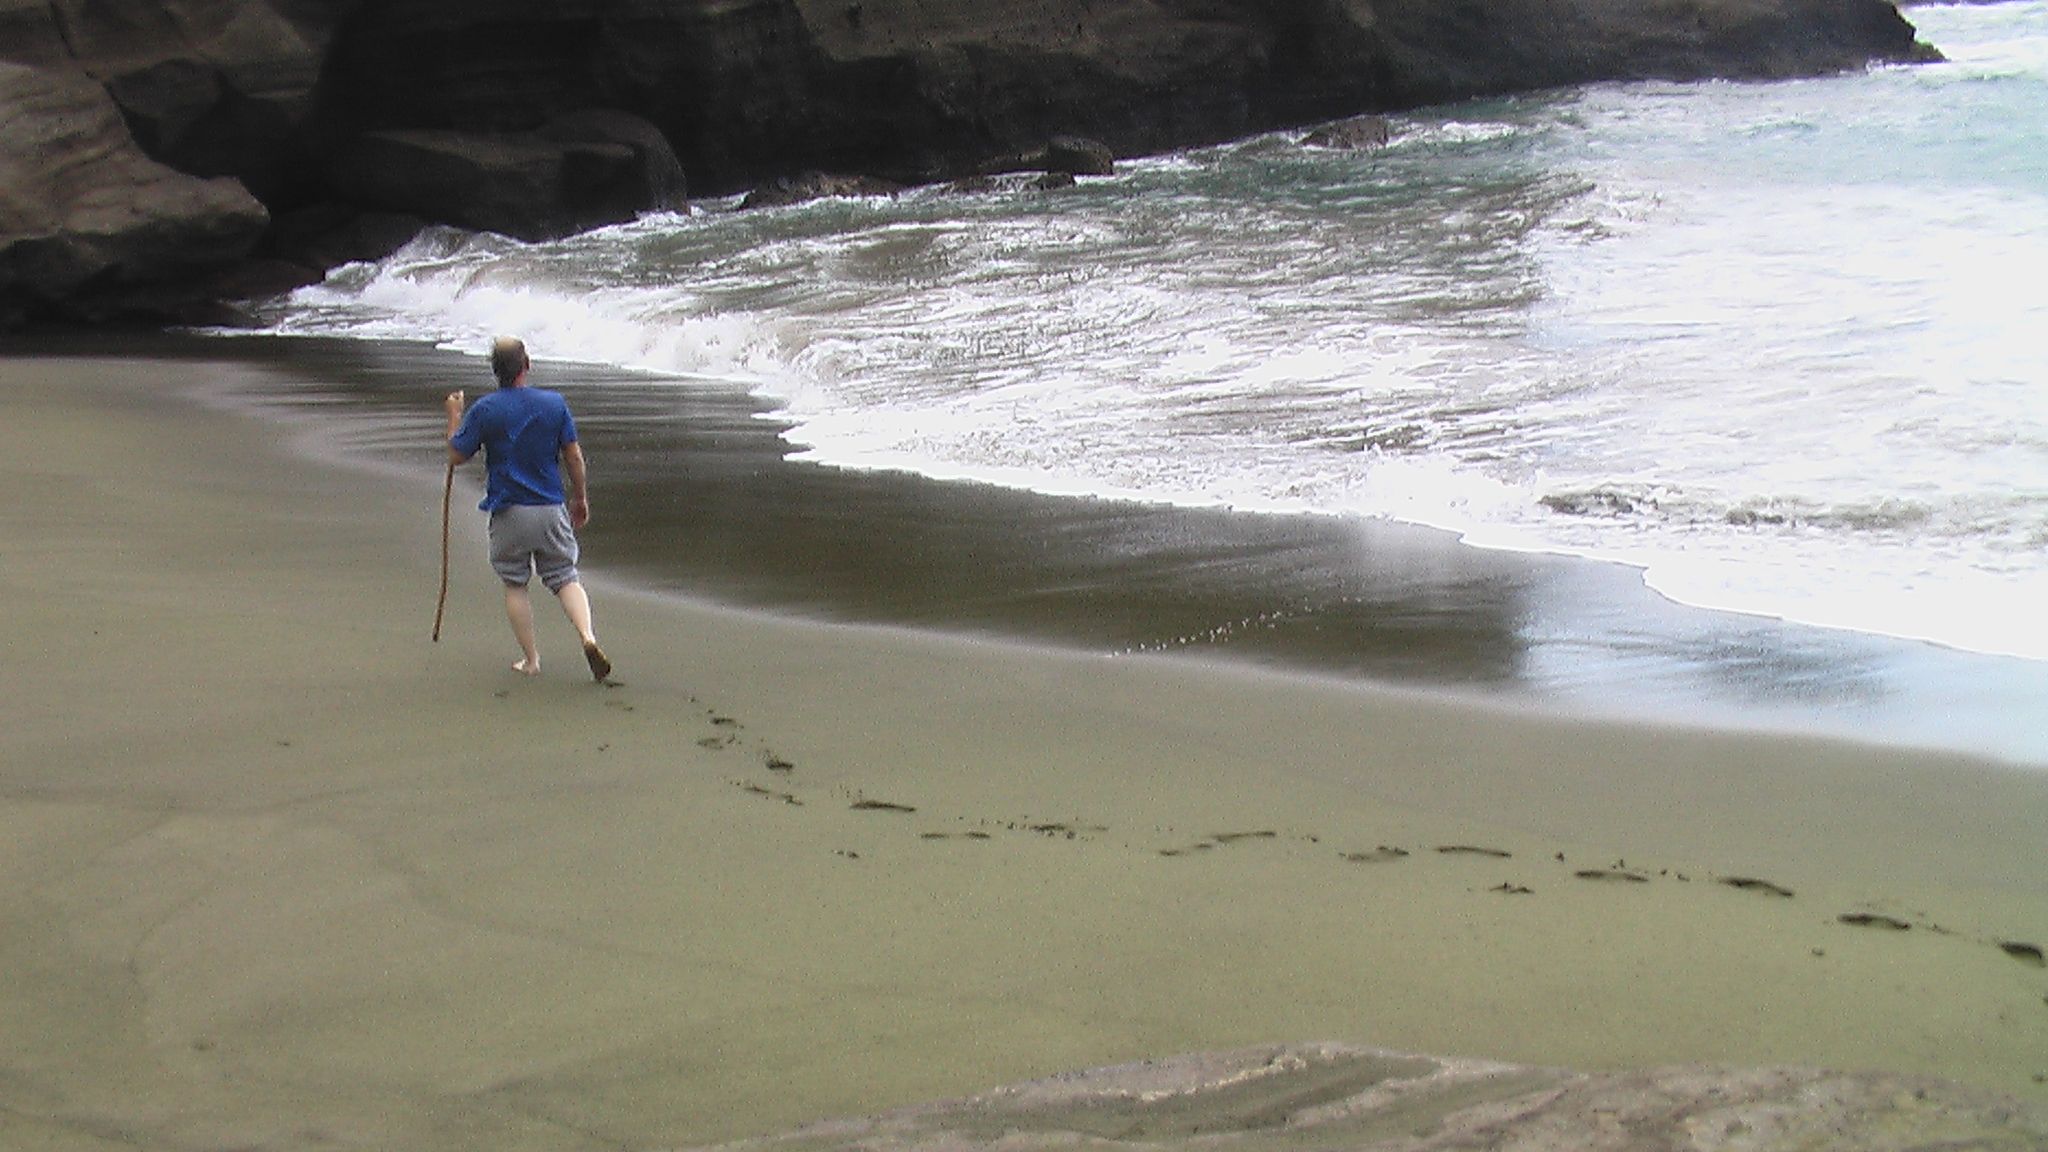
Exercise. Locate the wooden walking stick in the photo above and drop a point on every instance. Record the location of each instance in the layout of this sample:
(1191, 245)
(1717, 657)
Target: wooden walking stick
(447, 493)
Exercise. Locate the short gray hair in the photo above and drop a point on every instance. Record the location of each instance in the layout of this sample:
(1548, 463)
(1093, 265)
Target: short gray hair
(508, 359)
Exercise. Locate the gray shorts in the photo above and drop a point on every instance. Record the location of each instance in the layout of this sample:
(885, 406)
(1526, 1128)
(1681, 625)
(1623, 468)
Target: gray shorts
(529, 538)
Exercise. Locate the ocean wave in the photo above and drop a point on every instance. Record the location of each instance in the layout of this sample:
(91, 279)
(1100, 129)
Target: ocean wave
(1756, 340)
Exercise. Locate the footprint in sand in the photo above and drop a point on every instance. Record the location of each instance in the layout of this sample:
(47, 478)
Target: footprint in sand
(756, 789)
(1873, 920)
(2024, 952)
(1618, 875)
(1234, 837)
(1054, 829)
(1752, 884)
(727, 733)
(1215, 840)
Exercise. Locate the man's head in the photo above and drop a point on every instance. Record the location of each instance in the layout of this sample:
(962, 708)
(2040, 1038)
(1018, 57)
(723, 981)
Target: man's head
(508, 360)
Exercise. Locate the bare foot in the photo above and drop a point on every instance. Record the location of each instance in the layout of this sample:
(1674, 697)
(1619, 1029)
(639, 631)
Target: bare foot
(600, 668)
(527, 667)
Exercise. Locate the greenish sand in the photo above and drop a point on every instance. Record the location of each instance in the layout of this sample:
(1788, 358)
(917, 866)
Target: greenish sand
(276, 871)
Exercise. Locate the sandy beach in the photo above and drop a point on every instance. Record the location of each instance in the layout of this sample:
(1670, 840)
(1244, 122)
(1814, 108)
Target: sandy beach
(278, 871)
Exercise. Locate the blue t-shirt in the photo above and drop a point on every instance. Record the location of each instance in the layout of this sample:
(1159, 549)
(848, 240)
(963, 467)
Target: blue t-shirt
(522, 432)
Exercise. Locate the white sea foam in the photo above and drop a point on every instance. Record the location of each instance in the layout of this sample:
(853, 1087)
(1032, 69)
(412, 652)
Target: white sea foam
(1764, 342)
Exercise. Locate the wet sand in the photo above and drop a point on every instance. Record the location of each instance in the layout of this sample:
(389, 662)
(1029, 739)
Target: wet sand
(278, 871)
(709, 497)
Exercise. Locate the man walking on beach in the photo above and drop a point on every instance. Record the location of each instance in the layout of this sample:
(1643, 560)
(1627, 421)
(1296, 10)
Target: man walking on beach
(529, 441)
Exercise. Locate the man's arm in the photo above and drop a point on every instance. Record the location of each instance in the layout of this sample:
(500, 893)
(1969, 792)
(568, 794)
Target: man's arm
(579, 496)
(453, 405)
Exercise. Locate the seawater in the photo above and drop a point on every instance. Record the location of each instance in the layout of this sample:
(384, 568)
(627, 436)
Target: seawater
(1775, 344)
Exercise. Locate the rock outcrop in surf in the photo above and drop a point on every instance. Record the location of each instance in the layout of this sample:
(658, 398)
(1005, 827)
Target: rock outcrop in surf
(146, 143)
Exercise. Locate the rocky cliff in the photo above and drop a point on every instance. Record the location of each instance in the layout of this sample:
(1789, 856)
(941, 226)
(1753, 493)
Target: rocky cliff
(157, 154)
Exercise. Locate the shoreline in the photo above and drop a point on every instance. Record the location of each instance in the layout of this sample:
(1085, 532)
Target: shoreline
(706, 503)
(278, 870)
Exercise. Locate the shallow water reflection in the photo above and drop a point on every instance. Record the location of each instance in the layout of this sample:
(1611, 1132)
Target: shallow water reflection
(695, 493)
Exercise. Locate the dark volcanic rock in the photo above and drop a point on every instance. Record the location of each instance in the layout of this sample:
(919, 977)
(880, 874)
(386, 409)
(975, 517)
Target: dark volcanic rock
(1075, 156)
(787, 190)
(658, 181)
(329, 234)
(1433, 51)
(92, 229)
(209, 87)
(985, 185)
(1357, 132)
(29, 35)
(1062, 155)
(537, 117)
(1361, 1100)
(574, 173)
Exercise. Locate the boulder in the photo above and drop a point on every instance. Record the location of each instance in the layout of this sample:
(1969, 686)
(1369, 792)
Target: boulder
(1062, 155)
(977, 185)
(787, 190)
(90, 228)
(1027, 182)
(660, 184)
(29, 34)
(209, 87)
(1365, 1100)
(1430, 51)
(1355, 133)
(1078, 156)
(575, 173)
(329, 234)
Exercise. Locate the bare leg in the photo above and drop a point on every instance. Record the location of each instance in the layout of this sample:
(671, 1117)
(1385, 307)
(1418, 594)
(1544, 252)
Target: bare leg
(519, 609)
(576, 603)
